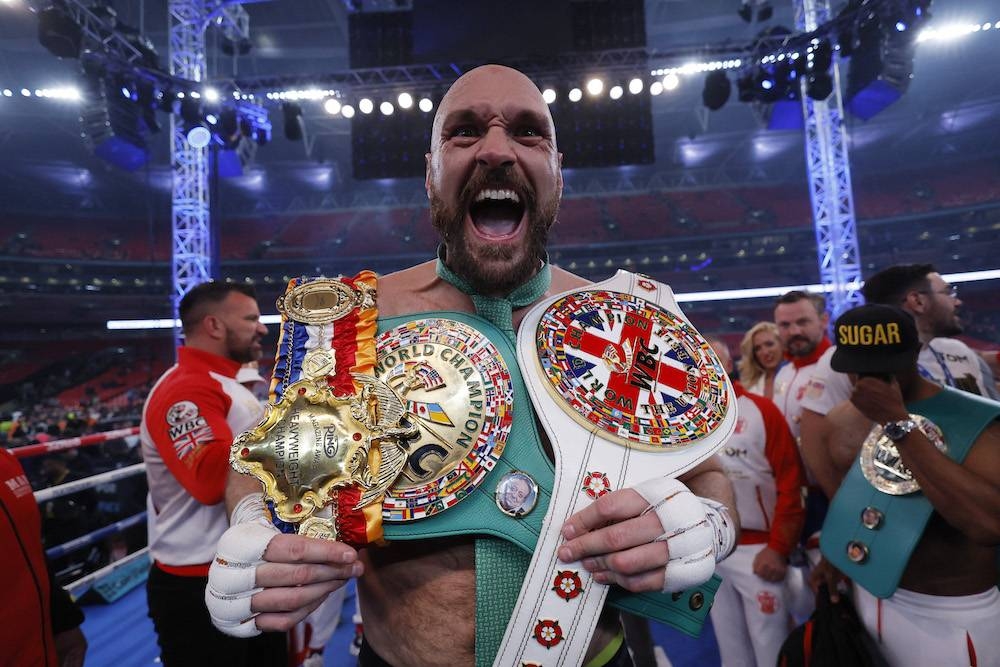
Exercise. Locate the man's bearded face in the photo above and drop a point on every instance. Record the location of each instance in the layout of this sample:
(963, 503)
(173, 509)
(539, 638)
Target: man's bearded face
(494, 268)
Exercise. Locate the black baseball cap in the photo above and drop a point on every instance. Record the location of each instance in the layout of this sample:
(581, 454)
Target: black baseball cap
(875, 339)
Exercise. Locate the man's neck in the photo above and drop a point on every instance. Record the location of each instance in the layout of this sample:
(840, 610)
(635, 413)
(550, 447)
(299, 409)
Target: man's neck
(203, 345)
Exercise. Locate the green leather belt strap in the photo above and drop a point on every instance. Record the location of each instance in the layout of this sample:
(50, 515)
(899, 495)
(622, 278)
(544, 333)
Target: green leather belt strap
(501, 566)
(961, 417)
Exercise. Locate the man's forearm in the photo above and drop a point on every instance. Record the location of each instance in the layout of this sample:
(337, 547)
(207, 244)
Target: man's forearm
(238, 487)
(708, 480)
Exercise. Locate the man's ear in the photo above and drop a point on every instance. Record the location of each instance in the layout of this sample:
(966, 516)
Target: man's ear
(213, 327)
(427, 174)
(913, 302)
(559, 178)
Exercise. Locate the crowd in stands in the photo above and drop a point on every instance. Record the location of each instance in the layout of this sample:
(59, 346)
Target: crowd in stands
(606, 219)
(70, 398)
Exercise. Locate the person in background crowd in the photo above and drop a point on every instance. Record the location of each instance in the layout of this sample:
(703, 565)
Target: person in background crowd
(39, 623)
(249, 376)
(920, 291)
(761, 356)
(916, 528)
(761, 459)
(802, 320)
(188, 425)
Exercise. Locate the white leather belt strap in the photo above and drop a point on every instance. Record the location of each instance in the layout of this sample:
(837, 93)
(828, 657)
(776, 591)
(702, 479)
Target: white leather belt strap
(626, 390)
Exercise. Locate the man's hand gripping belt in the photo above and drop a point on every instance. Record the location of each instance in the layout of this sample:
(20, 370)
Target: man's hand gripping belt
(699, 532)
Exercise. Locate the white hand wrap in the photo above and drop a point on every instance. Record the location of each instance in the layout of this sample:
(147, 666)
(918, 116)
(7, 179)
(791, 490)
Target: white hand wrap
(698, 531)
(232, 578)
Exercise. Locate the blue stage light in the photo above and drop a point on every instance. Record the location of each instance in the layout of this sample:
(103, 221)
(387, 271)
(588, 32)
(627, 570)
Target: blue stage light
(198, 136)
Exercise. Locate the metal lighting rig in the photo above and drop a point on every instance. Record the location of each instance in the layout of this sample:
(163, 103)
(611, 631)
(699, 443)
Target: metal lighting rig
(830, 181)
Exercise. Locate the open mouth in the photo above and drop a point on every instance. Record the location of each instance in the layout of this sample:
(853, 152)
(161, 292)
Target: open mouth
(496, 213)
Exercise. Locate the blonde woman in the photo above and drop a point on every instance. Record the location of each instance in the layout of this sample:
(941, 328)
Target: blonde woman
(761, 355)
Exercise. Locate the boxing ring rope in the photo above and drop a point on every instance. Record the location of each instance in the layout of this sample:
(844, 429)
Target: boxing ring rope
(81, 484)
(73, 443)
(78, 587)
(90, 538)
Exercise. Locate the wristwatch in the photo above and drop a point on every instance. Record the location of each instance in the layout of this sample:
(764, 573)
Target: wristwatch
(897, 430)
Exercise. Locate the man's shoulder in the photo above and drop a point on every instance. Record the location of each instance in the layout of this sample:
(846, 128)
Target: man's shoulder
(786, 369)
(563, 280)
(953, 346)
(416, 289)
(183, 384)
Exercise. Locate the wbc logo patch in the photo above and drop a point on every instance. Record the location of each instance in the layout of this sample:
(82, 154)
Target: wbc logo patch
(187, 429)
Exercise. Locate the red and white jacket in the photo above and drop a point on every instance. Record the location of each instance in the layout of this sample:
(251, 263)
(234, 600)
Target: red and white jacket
(188, 424)
(763, 463)
(34, 608)
(791, 384)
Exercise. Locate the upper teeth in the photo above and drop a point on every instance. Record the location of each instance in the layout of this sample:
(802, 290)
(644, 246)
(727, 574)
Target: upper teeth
(499, 195)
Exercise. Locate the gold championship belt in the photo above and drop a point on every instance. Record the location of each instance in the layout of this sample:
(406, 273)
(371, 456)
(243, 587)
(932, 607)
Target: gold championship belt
(333, 437)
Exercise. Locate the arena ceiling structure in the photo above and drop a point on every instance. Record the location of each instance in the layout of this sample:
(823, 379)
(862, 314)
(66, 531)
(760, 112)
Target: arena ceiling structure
(945, 120)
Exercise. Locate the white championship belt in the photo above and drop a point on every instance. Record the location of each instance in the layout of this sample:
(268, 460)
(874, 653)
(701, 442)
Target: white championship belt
(627, 390)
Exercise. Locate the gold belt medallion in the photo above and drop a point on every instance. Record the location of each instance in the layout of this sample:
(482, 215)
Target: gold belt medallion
(882, 465)
(458, 393)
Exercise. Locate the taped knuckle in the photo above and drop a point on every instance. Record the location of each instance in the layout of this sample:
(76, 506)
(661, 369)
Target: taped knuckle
(683, 573)
(694, 539)
(246, 543)
(231, 613)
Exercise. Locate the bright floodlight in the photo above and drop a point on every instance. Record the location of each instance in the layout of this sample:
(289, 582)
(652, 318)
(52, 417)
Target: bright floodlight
(405, 100)
(26, 92)
(575, 95)
(7, 92)
(386, 108)
(595, 86)
(671, 81)
(655, 88)
(366, 105)
(211, 94)
(332, 106)
(347, 111)
(425, 104)
(616, 92)
(549, 95)
(635, 86)
(198, 136)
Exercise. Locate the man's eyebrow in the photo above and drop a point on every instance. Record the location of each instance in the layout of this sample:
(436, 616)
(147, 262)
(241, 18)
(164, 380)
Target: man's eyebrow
(459, 116)
(535, 119)
(530, 116)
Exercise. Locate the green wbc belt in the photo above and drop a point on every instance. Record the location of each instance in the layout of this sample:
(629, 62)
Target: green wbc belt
(478, 465)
